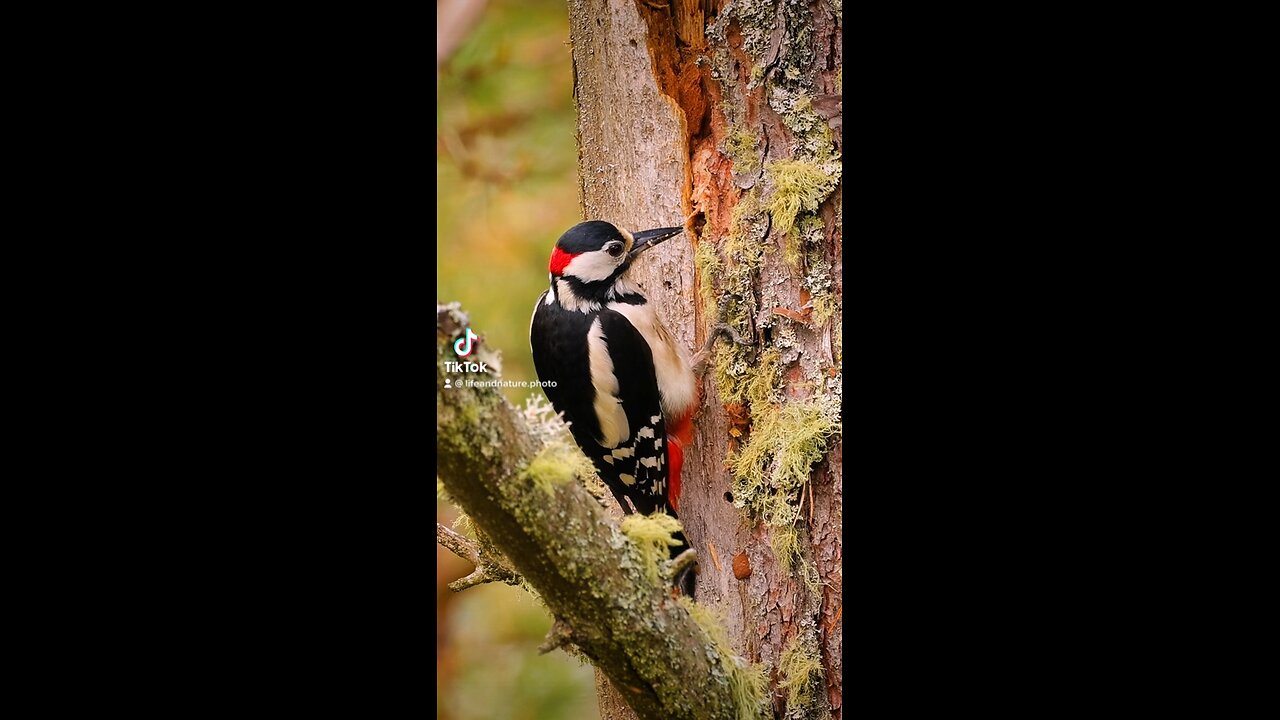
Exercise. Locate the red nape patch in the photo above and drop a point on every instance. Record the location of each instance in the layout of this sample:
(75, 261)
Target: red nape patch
(559, 259)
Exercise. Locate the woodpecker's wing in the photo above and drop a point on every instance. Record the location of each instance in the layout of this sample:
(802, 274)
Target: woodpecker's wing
(605, 385)
(561, 357)
(641, 458)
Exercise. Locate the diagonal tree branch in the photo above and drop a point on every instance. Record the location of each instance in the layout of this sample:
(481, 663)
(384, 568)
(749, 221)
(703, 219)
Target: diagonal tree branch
(567, 547)
(458, 545)
(490, 567)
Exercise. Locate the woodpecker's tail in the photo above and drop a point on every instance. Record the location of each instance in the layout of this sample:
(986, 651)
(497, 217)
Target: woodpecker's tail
(680, 436)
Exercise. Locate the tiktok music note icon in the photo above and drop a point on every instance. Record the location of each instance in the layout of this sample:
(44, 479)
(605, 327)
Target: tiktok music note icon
(459, 344)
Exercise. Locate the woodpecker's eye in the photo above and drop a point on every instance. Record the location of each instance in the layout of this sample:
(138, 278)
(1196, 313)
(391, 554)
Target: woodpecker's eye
(614, 249)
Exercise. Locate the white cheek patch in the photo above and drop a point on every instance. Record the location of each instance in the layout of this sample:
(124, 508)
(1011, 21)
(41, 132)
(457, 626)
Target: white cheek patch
(593, 266)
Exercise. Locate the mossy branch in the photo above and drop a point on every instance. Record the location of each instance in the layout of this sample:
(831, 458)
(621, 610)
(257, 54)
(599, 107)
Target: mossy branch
(558, 537)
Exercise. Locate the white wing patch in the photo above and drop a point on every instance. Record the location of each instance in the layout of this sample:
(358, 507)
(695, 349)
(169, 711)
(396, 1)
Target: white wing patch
(627, 479)
(625, 452)
(613, 420)
(649, 462)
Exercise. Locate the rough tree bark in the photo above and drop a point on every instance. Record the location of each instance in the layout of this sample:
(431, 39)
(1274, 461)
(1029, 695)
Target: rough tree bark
(727, 113)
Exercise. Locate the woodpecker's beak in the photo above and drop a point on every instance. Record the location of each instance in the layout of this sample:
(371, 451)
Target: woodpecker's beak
(648, 238)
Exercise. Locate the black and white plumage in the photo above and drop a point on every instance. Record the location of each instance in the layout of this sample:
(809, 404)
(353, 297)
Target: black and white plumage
(621, 380)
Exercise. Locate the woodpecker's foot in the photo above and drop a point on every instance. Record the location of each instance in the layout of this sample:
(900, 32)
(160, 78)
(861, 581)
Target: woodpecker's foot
(684, 572)
(704, 355)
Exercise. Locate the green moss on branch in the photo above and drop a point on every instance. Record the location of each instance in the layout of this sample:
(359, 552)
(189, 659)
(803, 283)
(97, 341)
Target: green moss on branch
(748, 680)
(652, 535)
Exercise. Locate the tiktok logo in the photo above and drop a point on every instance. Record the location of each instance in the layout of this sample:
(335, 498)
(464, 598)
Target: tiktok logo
(462, 346)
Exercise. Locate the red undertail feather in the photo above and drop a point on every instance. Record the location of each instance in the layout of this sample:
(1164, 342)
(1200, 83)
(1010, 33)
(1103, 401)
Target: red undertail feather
(679, 434)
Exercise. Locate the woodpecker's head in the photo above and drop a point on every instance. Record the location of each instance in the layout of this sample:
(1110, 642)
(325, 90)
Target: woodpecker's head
(590, 259)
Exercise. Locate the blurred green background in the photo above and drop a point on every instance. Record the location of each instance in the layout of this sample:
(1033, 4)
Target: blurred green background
(506, 169)
(507, 187)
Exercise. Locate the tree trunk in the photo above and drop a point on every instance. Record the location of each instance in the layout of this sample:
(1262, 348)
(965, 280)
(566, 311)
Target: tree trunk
(728, 114)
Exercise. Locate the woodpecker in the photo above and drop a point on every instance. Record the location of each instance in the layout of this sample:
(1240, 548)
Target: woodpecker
(622, 381)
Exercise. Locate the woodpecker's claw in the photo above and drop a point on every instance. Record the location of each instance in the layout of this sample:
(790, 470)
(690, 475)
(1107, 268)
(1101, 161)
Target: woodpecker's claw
(683, 561)
(683, 570)
(703, 355)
